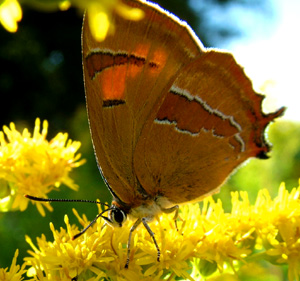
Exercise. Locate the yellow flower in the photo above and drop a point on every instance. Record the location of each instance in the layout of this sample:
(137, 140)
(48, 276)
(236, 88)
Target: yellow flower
(208, 242)
(10, 14)
(32, 165)
(67, 258)
(282, 242)
(101, 251)
(15, 271)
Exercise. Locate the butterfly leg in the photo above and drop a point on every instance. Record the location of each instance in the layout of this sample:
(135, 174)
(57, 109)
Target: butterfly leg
(133, 228)
(144, 220)
(171, 210)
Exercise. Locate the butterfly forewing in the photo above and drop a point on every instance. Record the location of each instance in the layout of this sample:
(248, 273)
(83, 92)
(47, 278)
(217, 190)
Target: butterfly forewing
(126, 78)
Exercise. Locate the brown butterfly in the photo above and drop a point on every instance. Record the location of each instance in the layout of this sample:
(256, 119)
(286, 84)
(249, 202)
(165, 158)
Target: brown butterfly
(170, 120)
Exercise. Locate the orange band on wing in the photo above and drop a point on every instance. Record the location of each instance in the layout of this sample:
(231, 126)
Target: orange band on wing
(115, 68)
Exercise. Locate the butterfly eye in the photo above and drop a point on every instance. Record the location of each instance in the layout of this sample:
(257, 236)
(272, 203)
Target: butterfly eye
(117, 216)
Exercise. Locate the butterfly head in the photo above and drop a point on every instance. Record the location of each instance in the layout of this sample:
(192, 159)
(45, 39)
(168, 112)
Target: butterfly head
(116, 216)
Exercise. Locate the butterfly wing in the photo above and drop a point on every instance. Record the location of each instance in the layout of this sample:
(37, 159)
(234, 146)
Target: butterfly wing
(125, 77)
(209, 123)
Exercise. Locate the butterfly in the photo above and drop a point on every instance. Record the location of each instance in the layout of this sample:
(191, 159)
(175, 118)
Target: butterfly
(170, 120)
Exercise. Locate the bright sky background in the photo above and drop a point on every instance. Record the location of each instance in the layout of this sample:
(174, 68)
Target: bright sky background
(271, 52)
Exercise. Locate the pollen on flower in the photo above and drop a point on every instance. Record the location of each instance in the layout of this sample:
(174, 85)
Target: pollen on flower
(32, 165)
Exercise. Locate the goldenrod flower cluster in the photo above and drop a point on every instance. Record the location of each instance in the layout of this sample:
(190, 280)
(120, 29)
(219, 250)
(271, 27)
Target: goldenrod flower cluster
(32, 165)
(209, 243)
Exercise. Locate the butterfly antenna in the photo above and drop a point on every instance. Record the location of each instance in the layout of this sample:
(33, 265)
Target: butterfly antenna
(75, 200)
(91, 223)
(63, 200)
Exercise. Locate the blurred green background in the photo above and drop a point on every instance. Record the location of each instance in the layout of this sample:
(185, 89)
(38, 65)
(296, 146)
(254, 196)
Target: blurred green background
(41, 76)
